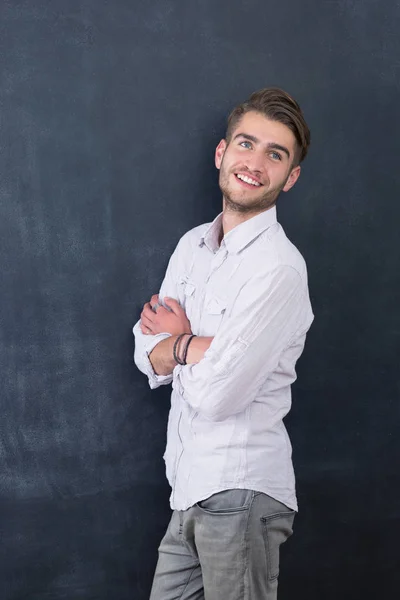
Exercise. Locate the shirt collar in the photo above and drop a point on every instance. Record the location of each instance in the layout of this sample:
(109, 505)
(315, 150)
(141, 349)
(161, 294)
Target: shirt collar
(241, 235)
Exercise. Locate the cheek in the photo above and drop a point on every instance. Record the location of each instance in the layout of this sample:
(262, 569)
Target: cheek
(278, 172)
(230, 164)
(224, 167)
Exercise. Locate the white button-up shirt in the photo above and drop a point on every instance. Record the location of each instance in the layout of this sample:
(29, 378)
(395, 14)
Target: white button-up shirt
(225, 427)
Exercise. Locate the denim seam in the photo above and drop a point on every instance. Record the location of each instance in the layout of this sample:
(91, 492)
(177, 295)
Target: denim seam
(183, 539)
(222, 512)
(225, 511)
(265, 521)
(188, 581)
(245, 580)
(270, 576)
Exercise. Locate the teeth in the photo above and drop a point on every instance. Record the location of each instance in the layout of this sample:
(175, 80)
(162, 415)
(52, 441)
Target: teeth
(248, 180)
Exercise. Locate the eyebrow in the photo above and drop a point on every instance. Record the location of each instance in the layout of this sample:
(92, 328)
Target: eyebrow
(270, 145)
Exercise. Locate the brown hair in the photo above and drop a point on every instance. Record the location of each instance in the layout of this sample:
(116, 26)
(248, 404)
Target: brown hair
(277, 105)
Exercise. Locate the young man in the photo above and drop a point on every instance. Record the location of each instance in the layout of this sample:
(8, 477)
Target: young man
(227, 329)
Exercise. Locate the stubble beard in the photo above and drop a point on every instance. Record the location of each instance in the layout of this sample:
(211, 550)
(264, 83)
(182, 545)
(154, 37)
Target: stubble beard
(236, 202)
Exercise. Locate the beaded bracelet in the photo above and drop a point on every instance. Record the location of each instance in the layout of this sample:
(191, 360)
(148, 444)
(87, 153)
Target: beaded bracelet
(186, 348)
(176, 357)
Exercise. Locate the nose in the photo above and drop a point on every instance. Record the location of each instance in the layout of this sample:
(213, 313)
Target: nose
(255, 161)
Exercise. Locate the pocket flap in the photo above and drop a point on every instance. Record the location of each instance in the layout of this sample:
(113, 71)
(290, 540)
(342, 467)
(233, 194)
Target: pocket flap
(188, 285)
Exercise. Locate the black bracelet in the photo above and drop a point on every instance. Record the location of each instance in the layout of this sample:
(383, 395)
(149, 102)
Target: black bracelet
(186, 348)
(176, 357)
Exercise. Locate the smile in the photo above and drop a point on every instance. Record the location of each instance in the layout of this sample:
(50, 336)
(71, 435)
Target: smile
(248, 180)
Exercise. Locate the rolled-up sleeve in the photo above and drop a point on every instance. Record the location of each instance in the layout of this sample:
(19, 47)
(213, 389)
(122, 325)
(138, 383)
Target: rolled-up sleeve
(266, 315)
(144, 344)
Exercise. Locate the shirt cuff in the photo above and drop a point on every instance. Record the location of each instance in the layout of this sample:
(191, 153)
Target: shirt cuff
(154, 379)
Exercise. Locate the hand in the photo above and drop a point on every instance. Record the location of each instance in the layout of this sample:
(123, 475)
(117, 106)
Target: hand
(173, 321)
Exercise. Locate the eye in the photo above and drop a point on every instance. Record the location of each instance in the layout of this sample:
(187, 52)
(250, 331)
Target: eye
(275, 156)
(246, 145)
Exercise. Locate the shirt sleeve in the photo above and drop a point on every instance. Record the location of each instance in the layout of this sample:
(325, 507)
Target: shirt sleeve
(144, 344)
(266, 315)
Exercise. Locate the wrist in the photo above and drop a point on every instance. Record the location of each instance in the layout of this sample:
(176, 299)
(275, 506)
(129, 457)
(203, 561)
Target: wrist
(181, 347)
(198, 347)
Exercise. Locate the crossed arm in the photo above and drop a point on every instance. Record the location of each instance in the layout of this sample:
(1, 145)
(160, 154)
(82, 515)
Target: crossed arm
(175, 322)
(224, 373)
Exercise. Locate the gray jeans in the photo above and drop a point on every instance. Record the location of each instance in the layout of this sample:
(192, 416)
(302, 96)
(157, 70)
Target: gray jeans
(224, 547)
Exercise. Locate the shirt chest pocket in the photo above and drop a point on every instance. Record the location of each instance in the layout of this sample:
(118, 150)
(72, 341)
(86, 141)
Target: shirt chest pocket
(214, 309)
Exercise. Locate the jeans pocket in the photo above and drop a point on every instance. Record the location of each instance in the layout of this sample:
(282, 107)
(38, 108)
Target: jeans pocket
(227, 502)
(277, 529)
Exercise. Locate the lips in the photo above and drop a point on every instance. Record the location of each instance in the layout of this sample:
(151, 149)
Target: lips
(248, 181)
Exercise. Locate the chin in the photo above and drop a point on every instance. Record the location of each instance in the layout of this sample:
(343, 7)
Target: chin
(243, 206)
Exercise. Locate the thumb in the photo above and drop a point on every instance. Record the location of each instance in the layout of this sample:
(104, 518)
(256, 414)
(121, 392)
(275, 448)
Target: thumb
(172, 304)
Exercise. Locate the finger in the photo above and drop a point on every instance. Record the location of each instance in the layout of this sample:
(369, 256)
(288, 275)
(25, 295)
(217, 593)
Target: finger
(155, 304)
(146, 322)
(173, 305)
(144, 329)
(148, 312)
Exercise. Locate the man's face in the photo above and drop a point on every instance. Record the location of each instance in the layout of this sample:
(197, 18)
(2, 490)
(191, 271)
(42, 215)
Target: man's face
(256, 165)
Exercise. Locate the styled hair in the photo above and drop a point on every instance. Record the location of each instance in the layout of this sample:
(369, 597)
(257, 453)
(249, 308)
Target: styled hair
(276, 105)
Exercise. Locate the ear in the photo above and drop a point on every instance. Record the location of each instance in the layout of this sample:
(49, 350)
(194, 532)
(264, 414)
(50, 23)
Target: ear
(219, 153)
(293, 177)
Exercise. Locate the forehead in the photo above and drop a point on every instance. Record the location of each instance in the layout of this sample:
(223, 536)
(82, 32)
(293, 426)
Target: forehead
(265, 130)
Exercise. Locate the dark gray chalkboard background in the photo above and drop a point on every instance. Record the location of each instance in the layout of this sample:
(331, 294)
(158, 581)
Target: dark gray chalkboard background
(110, 112)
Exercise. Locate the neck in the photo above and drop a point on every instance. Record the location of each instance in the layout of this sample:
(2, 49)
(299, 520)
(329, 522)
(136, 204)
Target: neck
(233, 218)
